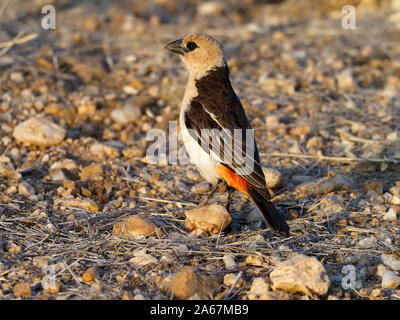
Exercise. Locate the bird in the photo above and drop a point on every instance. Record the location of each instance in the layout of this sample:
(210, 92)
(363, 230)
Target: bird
(210, 110)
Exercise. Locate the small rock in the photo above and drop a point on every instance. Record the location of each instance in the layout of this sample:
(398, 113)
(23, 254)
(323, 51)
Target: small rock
(258, 288)
(85, 204)
(272, 122)
(136, 227)
(199, 233)
(381, 269)
(391, 260)
(395, 191)
(201, 187)
(13, 248)
(39, 131)
(212, 218)
(51, 286)
(25, 189)
(390, 215)
(126, 115)
(367, 242)
(390, 280)
(301, 274)
(345, 81)
(141, 258)
(91, 172)
(324, 185)
(90, 275)
(7, 171)
(273, 178)
(188, 282)
(40, 262)
(254, 260)
(374, 185)
(210, 8)
(300, 130)
(229, 262)
(376, 293)
(230, 278)
(396, 200)
(103, 151)
(22, 290)
(192, 175)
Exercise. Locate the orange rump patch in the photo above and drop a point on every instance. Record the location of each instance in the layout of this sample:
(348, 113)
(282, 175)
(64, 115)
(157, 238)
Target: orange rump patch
(232, 179)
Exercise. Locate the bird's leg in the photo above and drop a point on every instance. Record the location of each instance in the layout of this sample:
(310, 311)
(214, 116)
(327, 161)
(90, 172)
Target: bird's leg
(230, 195)
(210, 194)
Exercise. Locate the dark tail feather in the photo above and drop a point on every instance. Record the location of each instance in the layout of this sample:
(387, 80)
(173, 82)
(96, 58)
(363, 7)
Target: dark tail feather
(275, 219)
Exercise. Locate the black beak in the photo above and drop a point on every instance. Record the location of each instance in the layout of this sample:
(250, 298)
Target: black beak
(176, 47)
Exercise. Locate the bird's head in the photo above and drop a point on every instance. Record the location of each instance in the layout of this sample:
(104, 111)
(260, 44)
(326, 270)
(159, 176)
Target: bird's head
(200, 53)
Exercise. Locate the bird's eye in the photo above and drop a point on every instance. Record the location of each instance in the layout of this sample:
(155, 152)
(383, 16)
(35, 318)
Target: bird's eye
(191, 45)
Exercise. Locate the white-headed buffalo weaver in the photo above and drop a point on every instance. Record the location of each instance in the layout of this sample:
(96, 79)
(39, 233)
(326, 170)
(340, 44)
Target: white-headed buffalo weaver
(210, 105)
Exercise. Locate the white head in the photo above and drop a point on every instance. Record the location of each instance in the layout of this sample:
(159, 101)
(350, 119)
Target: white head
(200, 53)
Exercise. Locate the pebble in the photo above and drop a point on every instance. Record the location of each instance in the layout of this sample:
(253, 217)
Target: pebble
(192, 175)
(91, 172)
(367, 242)
(324, 185)
(90, 275)
(374, 185)
(230, 278)
(395, 200)
(40, 132)
(229, 262)
(202, 187)
(258, 288)
(254, 260)
(390, 215)
(51, 286)
(85, 204)
(210, 8)
(390, 280)
(126, 115)
(136, 227)
(141, 258)
(273, 178)
(391, 260)
(22, 290)
(380, 270)
(7, 171)
(103, 151)
(301, 274)
(25, 189)
(189, 281)
(212, 218)
(345, 81)
(395, 191)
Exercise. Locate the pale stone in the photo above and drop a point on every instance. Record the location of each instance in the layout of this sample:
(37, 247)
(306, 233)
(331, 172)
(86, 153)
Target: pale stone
(136, 227)
(212, 218)
(301, 274)
(39, 131)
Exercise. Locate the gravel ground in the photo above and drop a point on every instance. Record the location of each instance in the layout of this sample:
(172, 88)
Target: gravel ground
(325, 105)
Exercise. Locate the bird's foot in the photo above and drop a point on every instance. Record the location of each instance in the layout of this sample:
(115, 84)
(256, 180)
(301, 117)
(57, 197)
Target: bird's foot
(207, 198)
(229, 199)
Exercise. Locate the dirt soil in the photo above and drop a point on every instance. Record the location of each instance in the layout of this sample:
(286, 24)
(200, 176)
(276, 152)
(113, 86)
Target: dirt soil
(324, 102)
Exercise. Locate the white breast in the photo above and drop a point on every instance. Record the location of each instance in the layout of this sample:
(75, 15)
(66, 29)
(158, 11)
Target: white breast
(201, 159)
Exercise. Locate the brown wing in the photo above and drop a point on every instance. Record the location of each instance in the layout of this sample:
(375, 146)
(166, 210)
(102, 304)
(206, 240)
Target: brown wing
(218, 108)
